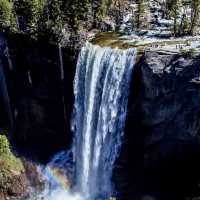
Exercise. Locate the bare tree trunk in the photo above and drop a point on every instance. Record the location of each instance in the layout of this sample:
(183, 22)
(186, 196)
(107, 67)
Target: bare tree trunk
(181, 31)
(175, 23)
(193, 21)
(194, 15)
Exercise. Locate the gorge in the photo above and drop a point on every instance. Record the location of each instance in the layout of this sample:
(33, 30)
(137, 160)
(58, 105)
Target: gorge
(160, 149)
(99, 99)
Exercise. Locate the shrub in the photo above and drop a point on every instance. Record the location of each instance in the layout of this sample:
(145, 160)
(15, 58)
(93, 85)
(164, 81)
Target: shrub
(189, 53)
(4, 145)
(10, 165)
(7, 19)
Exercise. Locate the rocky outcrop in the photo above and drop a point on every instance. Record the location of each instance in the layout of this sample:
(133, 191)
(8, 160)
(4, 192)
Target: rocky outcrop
(13, 180)
(163, 127)
(19, 184)
(170, 110)
(15, 187)
(17, 175)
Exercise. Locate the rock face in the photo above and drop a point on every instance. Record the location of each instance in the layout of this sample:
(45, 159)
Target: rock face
(171, 117)
(16, 187)
(19, 184)
(163, 127)
(41, 99)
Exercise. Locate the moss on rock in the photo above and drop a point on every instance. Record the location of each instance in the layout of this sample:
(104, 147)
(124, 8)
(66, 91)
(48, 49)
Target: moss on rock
(12, 177)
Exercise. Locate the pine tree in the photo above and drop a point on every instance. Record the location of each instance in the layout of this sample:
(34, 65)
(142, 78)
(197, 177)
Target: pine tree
(195, 15)
(184, 19)
(101, 9)
(75, 13)
(117, 10)
(51, 21)
(175, 12)
(7, 17)
(140, 13)
(28, 13)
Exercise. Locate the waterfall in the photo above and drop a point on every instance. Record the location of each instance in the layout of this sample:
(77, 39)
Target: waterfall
(7, 53)
(61, 62)
(5, 96)
(62, 78)
(101, 90)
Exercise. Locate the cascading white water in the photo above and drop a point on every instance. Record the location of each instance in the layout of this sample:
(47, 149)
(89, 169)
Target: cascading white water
(101, 88)
(4, 94)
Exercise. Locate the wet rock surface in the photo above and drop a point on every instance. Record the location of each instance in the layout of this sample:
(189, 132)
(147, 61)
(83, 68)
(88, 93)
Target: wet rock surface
(41, 100)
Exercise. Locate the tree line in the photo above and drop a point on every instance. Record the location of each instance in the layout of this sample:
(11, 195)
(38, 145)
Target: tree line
(54, 18)
(185, 15)
(42, 17)
(51, 18)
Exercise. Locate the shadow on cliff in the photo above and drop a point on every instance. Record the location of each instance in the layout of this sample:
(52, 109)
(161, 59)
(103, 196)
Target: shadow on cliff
(160, 154)
(41, 100)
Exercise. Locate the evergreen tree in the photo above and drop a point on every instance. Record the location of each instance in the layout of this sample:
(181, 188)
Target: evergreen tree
(75, 12)
(175, 12)
(140, 13)
(168, 8)
(184, 20)
(7, 18)
(28, 13)
(195, 15)
(51, 20)
(117, 10)
(101, 9)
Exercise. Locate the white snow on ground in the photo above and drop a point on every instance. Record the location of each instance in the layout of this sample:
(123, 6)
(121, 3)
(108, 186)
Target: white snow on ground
(158, 43)
(165, 22)
(159, 35)
(172, 44)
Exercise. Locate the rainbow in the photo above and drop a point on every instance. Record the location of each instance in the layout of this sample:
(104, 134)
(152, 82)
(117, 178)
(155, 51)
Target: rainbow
(57, 176)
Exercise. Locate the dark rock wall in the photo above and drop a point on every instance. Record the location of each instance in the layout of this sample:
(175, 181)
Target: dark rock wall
(4, 103)
(6, 117)
(162, 150)
(42, 101)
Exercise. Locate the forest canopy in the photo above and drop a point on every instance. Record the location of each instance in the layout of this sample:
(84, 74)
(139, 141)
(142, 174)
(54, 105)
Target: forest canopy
(54, 19)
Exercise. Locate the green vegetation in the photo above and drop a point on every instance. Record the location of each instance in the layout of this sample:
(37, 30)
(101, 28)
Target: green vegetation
(9, 164)
(28, 14)
(189, 53)
(40, 18)
(187, 23)
(7, 19)
(54, 19)
(4, 145)
(101, 9)
(51, 20)
(75, 13)
(195, 15)
(140, 14)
